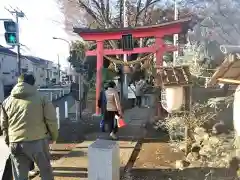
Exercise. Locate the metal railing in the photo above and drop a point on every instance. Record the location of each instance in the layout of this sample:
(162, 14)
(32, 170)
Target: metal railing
(54, 93)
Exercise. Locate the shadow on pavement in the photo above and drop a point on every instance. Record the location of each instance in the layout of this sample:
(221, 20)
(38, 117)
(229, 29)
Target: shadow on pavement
(70, 172)
(76, 153)
(70, 175)
(189, 174)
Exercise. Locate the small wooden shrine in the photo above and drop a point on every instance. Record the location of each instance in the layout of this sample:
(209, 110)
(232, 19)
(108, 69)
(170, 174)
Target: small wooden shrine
(175, 88)
(228, 72)
(173, 76)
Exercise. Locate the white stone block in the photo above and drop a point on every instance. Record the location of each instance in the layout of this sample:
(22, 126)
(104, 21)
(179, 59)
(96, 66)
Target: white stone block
(104, 160)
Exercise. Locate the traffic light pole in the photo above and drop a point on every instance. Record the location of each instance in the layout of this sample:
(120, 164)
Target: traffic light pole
(18, 46)
(125, 58)
(17, 14)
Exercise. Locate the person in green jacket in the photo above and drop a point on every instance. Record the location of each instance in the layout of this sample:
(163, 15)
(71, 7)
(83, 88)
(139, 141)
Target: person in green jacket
(28, 122)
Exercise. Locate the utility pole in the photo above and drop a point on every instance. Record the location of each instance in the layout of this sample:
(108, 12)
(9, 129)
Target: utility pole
(59, 71)
(18, 14)
(175, 37)
(125, 56)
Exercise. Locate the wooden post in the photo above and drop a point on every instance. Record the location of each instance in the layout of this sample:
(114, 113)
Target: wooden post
(58, 116)
(188, 104)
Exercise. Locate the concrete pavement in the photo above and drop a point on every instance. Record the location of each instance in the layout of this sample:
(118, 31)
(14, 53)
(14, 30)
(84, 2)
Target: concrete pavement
(74, 164)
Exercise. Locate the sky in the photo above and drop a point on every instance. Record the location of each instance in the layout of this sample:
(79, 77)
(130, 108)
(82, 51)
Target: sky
(43, 21)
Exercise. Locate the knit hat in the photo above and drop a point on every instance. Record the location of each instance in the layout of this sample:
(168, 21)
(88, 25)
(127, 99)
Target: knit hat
(27, 78)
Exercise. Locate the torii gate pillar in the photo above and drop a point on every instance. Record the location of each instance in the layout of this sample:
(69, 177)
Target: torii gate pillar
(99, 72)
(159, 51)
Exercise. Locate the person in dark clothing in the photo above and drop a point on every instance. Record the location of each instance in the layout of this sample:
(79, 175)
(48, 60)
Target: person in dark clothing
(7, 174)
(102, 100)
(113, 107)
(102, 103)
(74, 88)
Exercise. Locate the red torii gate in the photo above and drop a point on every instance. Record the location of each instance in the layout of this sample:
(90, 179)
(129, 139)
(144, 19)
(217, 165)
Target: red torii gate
(158, 31)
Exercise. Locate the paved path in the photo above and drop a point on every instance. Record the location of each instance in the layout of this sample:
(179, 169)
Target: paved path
(74, 164)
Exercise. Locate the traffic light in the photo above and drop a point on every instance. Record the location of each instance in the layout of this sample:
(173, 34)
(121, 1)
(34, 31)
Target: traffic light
(11, 32)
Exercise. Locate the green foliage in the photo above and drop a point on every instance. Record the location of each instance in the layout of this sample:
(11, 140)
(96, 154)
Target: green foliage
(77, 55)
(108, 74)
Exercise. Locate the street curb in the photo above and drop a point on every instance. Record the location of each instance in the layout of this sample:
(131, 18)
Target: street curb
(136, 150)
(134, 155)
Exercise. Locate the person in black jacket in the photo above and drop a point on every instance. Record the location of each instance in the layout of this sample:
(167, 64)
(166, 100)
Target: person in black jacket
(102, 100)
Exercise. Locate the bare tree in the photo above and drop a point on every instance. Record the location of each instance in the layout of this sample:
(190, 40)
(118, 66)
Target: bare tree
(109, 14)
(220, 25)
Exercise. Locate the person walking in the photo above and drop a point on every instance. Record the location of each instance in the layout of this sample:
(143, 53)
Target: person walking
(139, 92)
(102, 103)
(113, 107)
(7, 173)
(146, 89)
(5, 165)
(28, 122)
(131, 94)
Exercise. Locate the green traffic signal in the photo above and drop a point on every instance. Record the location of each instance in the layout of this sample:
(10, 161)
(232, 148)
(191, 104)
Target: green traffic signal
(11, 38)
(11, 32)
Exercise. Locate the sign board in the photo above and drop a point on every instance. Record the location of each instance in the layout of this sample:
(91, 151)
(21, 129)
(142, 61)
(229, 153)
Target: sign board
(127, 42)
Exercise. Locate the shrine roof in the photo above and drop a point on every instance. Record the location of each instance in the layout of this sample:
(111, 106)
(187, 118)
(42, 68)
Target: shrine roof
(183, 21)
(228, 72)
(173, 76)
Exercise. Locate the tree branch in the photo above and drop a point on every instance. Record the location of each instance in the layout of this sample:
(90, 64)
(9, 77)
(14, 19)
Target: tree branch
(138, 9)
(147, 5)
(90, 12)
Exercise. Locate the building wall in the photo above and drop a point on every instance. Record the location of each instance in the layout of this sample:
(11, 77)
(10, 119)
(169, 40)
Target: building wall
(55, 74)
(39, 72)
(8, 70)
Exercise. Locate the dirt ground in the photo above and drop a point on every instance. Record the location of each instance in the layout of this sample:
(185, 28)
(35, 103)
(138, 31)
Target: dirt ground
(155, 160)
(157, 155)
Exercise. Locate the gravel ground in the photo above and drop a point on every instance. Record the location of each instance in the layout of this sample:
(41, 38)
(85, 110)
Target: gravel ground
(155, 160)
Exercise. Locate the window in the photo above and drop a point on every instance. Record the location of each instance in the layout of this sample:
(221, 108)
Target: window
(24, 70)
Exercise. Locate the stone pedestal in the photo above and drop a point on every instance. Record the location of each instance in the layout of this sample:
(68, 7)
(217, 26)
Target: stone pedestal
(104, 160)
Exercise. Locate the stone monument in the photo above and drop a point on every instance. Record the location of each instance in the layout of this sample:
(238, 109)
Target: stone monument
(104, 160)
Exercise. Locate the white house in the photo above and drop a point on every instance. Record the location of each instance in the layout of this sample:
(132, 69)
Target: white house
(43, 70)
(39, 69)
(56, 73)
(8, 66)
